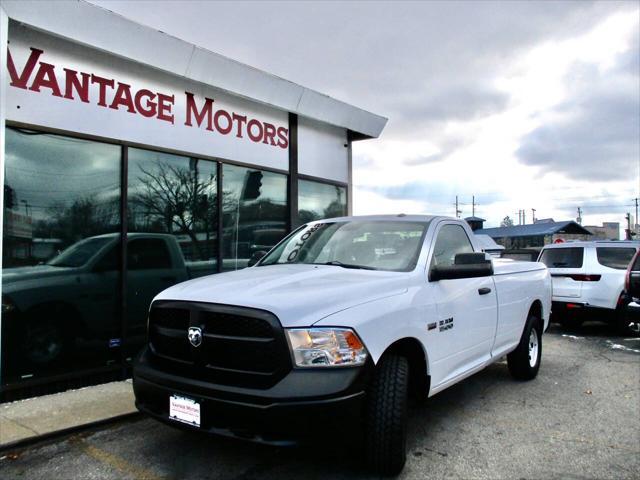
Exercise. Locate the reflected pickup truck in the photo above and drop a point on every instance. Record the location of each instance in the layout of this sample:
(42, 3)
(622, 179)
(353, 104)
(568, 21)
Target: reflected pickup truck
(335, 328)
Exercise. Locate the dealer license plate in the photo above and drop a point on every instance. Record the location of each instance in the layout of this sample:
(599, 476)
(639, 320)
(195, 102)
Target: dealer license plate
(184, 410)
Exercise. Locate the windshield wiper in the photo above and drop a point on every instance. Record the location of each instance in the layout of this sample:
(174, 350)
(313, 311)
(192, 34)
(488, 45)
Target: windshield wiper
(338, 263)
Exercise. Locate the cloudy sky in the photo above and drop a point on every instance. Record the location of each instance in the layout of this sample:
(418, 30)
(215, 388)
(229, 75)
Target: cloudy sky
(522, 104)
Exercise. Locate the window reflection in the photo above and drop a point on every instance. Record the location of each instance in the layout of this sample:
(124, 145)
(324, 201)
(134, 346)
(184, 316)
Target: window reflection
(320, 200)
(60, 309)
(172, 225)
(254, 213)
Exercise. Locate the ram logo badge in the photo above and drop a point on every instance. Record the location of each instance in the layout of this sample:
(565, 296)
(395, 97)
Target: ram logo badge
(195, 336)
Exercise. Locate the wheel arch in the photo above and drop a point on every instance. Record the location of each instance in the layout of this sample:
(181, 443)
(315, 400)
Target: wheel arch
(412, 349)
(537, 310)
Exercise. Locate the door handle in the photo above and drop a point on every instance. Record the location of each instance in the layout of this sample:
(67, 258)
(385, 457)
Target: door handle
(484, 290)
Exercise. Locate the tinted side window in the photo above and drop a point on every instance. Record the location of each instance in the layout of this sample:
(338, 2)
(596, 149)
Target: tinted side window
(618, 258)
(148, 253)
(452, 239)
(636, 264)
(562, 257)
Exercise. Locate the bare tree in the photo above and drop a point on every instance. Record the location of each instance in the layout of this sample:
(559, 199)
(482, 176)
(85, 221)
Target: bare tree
(183, 200)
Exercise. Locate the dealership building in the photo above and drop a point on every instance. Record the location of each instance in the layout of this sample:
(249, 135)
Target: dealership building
(132, 160)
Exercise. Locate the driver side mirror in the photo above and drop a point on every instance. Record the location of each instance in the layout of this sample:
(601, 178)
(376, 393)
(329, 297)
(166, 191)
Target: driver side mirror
(465, 265)
(256, 257)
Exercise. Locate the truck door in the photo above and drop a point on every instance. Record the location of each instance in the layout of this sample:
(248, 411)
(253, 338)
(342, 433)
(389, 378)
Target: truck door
(150, 269)
(466, 308)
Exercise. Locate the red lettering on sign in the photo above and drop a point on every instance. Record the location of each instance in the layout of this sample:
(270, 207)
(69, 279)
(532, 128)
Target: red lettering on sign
(72, 82)
(21, 80)
(269, 133)
(165, 103)
(223, 129)
(150, 109)
(240, 121)
(46, 77)
(200, 116)
(256, 137)
(103, 83)
(283, 137)
(77, 86)
(123, 97)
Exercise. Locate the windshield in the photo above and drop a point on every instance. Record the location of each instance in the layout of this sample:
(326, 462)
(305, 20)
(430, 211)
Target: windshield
(79, 253)
(370, 245)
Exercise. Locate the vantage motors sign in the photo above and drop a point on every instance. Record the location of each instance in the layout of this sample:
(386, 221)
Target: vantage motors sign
(62, 85)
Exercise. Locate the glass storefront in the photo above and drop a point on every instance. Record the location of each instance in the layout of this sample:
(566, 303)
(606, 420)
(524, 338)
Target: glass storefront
(67, 304)
(320, 200)
(60, 265)
(172, 231)
(254, 213)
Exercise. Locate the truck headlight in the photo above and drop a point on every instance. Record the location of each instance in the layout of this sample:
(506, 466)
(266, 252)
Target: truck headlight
(326, 347)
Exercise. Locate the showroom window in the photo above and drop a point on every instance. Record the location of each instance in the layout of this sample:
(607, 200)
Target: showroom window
(320, 200)
(171, 230)
(60, 292)
(254, 213)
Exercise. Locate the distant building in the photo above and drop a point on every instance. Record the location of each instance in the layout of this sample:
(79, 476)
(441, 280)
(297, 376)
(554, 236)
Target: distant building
(536, 235)
(608, 231)
(475, 223)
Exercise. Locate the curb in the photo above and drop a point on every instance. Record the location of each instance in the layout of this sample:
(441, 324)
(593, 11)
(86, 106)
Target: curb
(30, 441)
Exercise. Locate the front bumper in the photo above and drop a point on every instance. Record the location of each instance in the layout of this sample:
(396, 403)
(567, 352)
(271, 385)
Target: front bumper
(304, 404)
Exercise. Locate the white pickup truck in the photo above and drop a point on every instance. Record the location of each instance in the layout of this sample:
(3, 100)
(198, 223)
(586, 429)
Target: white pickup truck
(346, 316)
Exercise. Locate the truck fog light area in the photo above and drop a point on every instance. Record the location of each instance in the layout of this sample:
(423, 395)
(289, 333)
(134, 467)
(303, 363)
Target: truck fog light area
(326, 347)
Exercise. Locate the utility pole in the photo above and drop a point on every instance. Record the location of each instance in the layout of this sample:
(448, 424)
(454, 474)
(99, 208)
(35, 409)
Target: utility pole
(458, 211)
(628, 232)
(533, 215)
(524, 216)
(473, 206)
(579, 219)
(636, 218)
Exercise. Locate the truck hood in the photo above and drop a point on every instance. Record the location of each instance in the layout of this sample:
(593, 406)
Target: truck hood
(298, 294)
(19, 274)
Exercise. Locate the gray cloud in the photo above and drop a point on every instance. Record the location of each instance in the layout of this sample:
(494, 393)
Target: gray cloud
(595, 133)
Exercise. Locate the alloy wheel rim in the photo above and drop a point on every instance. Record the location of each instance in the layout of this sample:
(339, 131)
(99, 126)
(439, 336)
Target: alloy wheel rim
(533, 348)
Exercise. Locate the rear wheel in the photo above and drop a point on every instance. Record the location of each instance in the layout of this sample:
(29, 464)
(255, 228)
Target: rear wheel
(386, 416)
(524, 361)
(627, 321)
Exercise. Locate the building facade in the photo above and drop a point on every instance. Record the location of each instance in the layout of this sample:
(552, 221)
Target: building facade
(132, 160)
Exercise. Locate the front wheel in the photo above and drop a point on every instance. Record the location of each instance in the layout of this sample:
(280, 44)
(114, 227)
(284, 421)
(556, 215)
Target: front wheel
(524, 361)
(386, 416)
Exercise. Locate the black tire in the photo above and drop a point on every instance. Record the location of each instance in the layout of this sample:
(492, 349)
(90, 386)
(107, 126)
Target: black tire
(386, 416)
(519, 361)
(627, 322)
(47, 340)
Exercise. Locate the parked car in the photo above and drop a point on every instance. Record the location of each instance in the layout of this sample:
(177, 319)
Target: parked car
(337, 325)
(48, 308)
(588, 280)
(632, 297)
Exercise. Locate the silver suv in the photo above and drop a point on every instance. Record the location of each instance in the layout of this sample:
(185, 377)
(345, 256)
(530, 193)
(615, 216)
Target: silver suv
(588, 280)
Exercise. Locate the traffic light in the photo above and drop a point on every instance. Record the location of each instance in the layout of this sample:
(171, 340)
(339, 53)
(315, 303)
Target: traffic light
(9, 197)
(252, 185)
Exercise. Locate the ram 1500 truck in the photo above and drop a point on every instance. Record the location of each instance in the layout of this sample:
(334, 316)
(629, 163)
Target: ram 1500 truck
(338, 324)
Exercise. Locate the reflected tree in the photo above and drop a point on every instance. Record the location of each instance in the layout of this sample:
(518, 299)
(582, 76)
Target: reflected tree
(177, 200)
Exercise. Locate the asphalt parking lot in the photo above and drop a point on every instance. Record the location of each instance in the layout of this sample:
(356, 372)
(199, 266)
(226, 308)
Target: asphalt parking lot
(579, 419)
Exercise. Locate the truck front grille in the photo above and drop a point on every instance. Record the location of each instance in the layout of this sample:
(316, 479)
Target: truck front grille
(240, 346)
